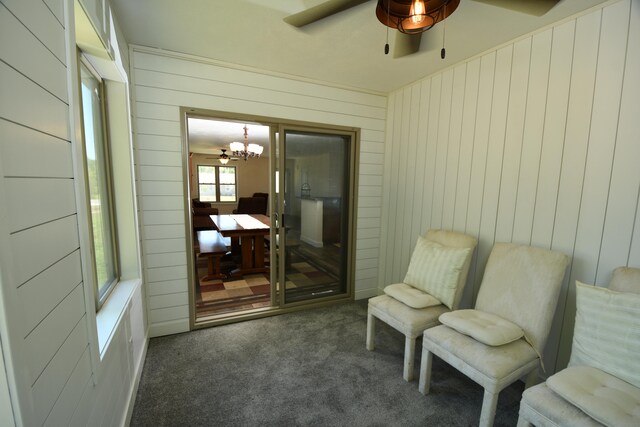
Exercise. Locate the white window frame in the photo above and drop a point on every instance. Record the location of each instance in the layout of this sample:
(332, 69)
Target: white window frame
(101, 298)
(217, 182)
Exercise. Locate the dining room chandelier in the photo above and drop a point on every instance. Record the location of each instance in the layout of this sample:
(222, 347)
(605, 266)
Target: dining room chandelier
(414, 16)
(245, 150)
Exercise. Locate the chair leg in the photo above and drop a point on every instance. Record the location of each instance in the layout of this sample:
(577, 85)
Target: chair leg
(425, 371)
(532, 379)
(409, 356)
(489, 404)
(371, 330)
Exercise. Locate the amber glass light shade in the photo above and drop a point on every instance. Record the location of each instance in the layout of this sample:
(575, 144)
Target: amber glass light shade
(397, 14)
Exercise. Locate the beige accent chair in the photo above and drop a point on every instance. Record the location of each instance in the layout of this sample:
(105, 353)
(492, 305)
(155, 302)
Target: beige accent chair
(519, 292)
(542, 406)
(413, 321)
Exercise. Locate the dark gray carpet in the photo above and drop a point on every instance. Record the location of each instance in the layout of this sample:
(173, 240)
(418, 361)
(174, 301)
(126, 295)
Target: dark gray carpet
(304, 368)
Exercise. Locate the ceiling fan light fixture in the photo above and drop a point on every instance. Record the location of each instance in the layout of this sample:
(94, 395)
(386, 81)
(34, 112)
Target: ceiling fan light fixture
(224, 158)
(417, 11)
(414, 16)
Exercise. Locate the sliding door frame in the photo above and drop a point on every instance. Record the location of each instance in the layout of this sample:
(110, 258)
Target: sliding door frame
(351, 210)
(275, 125)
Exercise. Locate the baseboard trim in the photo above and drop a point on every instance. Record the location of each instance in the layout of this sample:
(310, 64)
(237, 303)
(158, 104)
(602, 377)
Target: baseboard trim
(366, 293)
(169, 328)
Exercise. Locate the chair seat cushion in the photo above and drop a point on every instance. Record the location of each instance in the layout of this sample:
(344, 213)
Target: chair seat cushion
(543, 407)
(600, 395)
(435, 269)
(410, 321)
(411, 296)
(487, 328)
(485, 364)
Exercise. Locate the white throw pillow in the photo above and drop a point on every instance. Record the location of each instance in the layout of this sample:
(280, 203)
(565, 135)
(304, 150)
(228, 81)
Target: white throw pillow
(411, 296)
(485, 327)
(607, 332)
(435, 269)
(603, 397)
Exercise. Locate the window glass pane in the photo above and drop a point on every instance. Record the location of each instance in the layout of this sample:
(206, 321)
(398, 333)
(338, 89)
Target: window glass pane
(227, 193)
(206, 174)
(207, 193)
(227, 175)
(97, 175)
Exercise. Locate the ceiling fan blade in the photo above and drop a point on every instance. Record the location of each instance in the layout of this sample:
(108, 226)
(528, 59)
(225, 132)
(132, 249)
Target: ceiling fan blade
(406, 44)
(320, 11)
(531, 7)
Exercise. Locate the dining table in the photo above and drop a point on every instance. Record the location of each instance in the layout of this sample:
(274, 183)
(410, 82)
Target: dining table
(247, 234)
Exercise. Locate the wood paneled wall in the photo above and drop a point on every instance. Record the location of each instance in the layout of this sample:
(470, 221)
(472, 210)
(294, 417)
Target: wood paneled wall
(163, 83)
(43, 320)
(535, 142)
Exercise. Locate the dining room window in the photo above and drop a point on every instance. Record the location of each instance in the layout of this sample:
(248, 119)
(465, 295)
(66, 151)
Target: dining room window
(98, 173)
(217, 183)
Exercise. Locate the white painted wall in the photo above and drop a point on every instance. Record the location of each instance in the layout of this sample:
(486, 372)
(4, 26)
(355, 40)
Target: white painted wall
(163, 83)
(535, 142)
(49, 348)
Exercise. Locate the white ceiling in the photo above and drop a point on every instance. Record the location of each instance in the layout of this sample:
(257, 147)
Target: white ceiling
(207, 136)
(345, 49)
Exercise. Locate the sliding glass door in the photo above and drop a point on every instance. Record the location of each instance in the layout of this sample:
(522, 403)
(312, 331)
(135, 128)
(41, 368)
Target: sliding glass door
(315, 181)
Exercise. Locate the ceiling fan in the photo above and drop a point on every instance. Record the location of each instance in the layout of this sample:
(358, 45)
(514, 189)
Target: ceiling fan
(223, 158)
(411, 17)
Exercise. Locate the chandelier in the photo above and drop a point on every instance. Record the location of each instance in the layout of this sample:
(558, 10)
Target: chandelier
(414, 16)
(245, 150)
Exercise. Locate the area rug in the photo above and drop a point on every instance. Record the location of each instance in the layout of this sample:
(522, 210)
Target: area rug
(304, 279)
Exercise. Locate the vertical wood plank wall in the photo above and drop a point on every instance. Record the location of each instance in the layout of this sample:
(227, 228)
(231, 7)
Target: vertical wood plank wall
(44, 342)
(163, 83)
(535, 142)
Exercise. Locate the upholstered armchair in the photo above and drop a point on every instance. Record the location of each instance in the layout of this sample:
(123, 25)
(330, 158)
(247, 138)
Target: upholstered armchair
(602, 383)
(433, 285)
(501, 340)
(251, 205)
(200, 215)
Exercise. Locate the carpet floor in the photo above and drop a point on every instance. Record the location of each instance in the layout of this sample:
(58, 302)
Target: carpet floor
(308, 368)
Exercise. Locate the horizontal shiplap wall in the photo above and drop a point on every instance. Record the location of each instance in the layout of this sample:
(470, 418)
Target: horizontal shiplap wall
(44, 296)
(163, 83)
(535, 142)
(47, 347)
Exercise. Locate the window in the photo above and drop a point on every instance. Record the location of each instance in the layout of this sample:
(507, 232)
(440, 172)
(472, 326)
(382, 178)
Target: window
(217, 183)
(99, 182)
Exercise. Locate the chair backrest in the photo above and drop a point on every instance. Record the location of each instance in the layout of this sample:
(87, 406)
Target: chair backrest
(456, 240)
(625, 279)
(522, 284)
(252, 205)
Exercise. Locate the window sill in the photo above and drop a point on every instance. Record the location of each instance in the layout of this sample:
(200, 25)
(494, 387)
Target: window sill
(109, 315)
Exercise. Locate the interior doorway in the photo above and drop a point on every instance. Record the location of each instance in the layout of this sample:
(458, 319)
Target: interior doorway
(223, 183)
(271, 218)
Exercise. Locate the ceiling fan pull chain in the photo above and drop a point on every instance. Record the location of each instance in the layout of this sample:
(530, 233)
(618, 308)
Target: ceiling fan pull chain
(386, 45)
(444, 30)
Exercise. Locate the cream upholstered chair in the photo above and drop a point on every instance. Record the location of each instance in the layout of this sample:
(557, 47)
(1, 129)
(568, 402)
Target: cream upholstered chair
(414, 305)
(502, 339)
(602, 383)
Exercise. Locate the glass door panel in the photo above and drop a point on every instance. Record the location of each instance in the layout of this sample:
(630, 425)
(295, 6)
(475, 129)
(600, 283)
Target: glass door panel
(315, 192)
